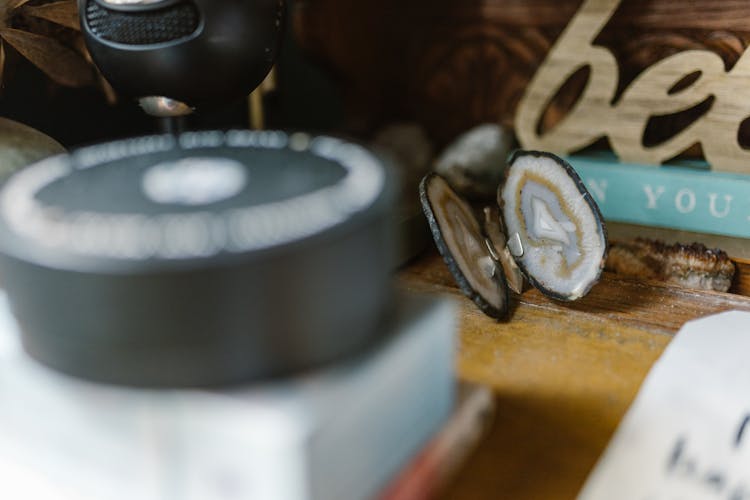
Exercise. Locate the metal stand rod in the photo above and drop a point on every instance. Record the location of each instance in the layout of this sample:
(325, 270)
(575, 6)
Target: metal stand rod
(170, 113)
(174, 125)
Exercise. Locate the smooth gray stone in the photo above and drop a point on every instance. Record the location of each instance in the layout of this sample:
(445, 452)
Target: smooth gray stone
(21, 145)
(408, 145)
(474, 164)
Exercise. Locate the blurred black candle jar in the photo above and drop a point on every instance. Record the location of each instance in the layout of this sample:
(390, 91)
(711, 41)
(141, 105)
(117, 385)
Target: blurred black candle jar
(208, 258)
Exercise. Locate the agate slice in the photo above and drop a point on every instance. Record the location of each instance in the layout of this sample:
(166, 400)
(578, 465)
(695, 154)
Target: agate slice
(555, 230)
(496, 242)
(460, 241)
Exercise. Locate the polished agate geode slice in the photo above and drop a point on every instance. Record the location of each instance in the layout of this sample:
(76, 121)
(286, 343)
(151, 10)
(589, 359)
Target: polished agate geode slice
(461, 242)
(497, 243)
(555, 230)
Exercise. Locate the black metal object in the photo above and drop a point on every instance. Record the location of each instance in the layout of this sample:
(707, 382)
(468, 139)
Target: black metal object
(208, 258)
(193, 51)
(166, 24)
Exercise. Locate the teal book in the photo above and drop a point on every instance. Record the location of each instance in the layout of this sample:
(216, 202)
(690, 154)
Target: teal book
(687, 196)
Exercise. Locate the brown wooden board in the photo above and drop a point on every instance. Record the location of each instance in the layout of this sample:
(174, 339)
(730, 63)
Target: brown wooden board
(564, 375)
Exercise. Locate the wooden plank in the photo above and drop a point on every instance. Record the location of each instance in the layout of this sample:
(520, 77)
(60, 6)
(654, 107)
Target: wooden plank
(564, 375)
(650, 306)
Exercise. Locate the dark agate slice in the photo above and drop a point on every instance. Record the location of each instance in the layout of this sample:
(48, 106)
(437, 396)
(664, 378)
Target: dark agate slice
(555, 230)
(462, 244)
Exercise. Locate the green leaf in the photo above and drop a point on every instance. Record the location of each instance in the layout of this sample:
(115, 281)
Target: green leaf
(61, 64)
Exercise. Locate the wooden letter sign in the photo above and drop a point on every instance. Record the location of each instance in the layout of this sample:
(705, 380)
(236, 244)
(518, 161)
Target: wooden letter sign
(658, 91)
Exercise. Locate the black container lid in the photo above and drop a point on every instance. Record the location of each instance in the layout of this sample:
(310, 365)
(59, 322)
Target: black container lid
(203, 259)
(161, 200)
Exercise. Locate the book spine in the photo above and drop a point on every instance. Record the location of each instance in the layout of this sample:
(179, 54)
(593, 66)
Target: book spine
(383, 425)
(444, 454)
(680, 197)
(342, 432)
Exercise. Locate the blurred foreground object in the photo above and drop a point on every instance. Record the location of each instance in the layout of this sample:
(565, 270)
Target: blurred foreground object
(690, 266)
(209, 258)
(685, 434)
(440, 460)
(21, 145)
(341, 433)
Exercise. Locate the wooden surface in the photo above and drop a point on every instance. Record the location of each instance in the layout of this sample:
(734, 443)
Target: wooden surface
(564, 376)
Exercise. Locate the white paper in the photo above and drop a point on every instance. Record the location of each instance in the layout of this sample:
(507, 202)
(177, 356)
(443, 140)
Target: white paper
(687, 436)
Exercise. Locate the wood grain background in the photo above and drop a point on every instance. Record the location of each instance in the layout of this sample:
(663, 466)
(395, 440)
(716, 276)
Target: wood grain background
(451, 64)
(564, 375)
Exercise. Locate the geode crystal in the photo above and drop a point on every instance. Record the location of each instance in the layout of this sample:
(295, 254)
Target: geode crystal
(460, 241)
(21, 145)
(555, 230)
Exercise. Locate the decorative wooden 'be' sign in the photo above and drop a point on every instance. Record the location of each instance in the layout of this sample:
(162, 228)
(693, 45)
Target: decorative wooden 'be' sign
(672, 85)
